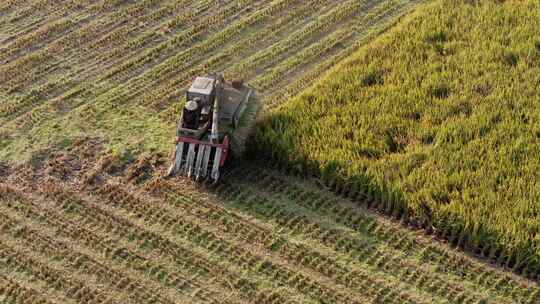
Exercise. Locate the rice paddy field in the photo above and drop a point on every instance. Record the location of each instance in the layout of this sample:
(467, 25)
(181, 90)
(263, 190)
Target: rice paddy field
(90, 94)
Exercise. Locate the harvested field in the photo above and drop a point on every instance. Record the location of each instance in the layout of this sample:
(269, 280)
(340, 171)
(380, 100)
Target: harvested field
(123, 234)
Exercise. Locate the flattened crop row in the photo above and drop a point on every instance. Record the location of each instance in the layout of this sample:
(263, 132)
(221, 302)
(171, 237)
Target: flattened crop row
(41, 34)
(165, 69)
(54, 29)
(37, 60)
(184, 38)
(38, 13)
(287, 67)
(63, 46)
(235, 226)
(130, 44)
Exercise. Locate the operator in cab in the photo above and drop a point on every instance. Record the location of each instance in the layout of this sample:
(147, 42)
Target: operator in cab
(191, 115)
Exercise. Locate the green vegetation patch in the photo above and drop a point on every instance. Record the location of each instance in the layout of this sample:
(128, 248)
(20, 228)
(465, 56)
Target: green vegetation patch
(441, 117)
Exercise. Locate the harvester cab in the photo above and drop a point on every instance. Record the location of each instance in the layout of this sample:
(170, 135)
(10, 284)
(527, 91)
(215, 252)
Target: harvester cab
(210, 118)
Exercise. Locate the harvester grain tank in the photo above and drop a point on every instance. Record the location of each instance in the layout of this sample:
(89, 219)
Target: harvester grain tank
(211, 120)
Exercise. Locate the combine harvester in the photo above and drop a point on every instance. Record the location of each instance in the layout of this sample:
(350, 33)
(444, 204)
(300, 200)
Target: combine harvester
(215, 120)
